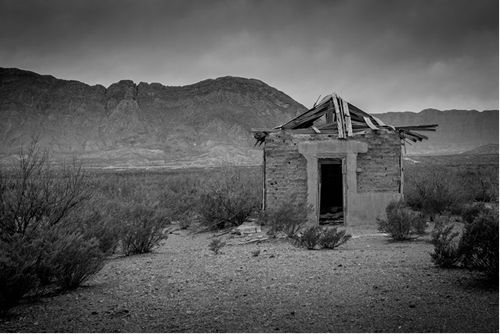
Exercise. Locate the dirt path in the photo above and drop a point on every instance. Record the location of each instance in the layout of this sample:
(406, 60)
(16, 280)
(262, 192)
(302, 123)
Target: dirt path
(367, 285)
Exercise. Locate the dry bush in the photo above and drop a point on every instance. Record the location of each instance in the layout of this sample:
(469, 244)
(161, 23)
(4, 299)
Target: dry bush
(309, 237)
(317, 237)
(475, 248)
(180, 199)
(73, 258)
(133, 215)
(402, 223)
(229, 198)
(440, 188)
(37, 204)
(17, 271)
(100, 218)
(216, 197)
(287, 219)
(332, 238)
(445, 239)
(142, 230)
(479, 243)
(35, 196)
(481, 184)
(470, 212)
(434, 191)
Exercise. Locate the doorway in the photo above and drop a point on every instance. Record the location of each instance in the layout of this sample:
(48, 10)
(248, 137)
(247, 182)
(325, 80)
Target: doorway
(331, 191)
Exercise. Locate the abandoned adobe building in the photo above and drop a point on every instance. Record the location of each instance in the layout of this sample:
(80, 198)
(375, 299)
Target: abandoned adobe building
(341, 164)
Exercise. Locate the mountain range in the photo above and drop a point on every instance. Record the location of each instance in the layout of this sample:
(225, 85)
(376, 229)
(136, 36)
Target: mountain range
(204, 124)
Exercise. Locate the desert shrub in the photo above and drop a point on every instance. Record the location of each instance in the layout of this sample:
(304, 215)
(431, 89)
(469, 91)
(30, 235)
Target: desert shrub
(216, 245)
(434, 190)
(101, 220)
(34, 196)
(180, 199)
(481, 184)
(17, 271)
(475, 248)
(470, 212)
(479, 243)
(227, 200)
(288, 219)
(142, 229)
(332, 238)
(36, 203)
(317, 237)
(445, 239)
(185, 222)
(442, 188)
(73, 258)
(401, 223)
(309, 237)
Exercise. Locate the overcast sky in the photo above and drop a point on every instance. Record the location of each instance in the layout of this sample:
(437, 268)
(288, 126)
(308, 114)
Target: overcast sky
(381, 55)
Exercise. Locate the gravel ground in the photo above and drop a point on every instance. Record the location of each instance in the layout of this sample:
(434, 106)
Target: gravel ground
(367, 285)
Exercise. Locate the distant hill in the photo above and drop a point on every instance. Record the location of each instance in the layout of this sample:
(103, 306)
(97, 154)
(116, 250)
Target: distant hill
(130, 124)
(458, 131)
(485, 149)
(203, 124)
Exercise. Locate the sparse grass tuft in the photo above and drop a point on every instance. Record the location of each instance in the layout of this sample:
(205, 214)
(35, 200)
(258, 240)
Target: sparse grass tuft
(332, 238)
(317, 237)
(216, 245)
(309, 237)
(288, 219)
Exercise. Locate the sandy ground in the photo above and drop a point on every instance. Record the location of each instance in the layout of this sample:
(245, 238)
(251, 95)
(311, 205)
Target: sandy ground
(366, 285)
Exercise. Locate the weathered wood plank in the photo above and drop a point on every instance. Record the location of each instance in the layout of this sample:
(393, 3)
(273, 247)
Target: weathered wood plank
(309, 118)
(264, 130)
(342, 116)
(328, 126)
(337, 114)
(305, 117)
(329, 116)
(368, 121)
(411, 137)
(379, 121)
(418, 135)
(347, 114)
(415, 127)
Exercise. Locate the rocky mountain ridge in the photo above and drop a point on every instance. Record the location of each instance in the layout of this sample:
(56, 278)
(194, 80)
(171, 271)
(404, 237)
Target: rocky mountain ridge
(203, 124)
(139, 124)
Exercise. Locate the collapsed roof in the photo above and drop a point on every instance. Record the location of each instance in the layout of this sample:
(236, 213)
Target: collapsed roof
(344, 119)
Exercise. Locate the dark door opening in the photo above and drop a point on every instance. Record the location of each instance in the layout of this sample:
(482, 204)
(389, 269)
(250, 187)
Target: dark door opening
(331, 192)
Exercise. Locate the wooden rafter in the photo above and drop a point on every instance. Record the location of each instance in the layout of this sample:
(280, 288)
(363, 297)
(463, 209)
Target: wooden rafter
(347, 119)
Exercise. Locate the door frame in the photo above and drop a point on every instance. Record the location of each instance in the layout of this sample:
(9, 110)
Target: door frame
(332, 161)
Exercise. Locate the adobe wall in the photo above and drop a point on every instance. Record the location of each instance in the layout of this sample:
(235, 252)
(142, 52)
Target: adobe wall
(373, 171)
(379, 168)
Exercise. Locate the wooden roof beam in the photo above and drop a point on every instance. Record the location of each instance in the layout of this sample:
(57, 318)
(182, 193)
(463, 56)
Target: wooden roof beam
(309, 115)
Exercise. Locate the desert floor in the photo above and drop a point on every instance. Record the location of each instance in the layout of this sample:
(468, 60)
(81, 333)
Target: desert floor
(368, 284)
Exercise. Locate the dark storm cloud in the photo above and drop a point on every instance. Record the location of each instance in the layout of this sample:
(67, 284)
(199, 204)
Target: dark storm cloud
(382, 55)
